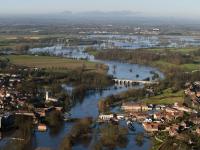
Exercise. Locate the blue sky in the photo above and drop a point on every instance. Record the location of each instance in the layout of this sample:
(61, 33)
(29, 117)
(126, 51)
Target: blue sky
(149, 7)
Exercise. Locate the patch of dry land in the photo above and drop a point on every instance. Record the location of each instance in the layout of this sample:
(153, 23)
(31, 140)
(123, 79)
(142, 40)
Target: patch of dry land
(55, 63)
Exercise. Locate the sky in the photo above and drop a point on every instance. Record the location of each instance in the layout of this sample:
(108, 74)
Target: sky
(183, 8)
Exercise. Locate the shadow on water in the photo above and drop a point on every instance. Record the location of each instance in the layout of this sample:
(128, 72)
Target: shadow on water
(54, 131)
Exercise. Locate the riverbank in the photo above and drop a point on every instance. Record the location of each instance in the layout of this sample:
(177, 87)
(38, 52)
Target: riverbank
(40, 74)
(180, 67)
(164, 59)
(88, 106)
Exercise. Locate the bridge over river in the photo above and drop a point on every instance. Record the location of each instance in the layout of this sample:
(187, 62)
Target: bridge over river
(133, 82)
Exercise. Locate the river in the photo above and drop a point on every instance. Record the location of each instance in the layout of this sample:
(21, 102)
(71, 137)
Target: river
(88, 107)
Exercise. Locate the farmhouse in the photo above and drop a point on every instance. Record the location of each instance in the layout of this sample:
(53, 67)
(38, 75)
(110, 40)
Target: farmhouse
(151, 127)
(173, 130)
(134, 107)
(106, 117)
(182, 108)
(49, 99)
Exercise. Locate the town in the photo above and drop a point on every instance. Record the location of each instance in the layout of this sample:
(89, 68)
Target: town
(15, 101)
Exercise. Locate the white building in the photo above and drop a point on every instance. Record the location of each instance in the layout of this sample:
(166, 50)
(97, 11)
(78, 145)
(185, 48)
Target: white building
(49, 99)
(106, 117)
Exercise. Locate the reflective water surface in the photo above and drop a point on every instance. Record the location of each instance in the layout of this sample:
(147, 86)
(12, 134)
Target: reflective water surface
(88, 107)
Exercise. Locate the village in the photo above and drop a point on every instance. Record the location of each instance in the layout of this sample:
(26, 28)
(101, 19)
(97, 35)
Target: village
(171, 119)
(14, 103)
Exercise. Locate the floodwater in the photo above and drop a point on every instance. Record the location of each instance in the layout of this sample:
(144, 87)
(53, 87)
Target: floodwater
(88, 106)
(141, 41)
(131, 42)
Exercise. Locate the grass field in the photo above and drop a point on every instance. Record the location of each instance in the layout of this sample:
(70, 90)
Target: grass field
(163, 65)
(166, 98)
(11, 41)
(54, 63)
(182, 50)
(39, 36)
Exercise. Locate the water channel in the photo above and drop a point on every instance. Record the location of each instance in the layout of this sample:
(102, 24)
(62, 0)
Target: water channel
(88, 107)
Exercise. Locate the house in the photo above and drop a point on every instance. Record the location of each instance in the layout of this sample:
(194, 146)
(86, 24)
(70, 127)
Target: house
(173, 130)
(151, 127)
(196, 85)
(49, 99)
(7, 121)
(198, 130)
(106, 117)
(198, 94)
(41, 112)
(59, 108)
(195, 120)
(156, 29)
(42, 127)
(194, 92)
(134, 107)
(158, 115)
(141, 116)
(160, 107)
(2, 93)
(171, 116)
(167, 115)
(182, 108)
(120, 116)
(171, 110)
(178, 114)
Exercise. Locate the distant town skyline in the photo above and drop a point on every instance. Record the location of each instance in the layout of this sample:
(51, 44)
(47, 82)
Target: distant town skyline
(182, 8)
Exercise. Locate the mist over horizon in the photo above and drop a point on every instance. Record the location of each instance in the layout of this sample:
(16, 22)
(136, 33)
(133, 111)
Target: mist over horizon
(99, 17)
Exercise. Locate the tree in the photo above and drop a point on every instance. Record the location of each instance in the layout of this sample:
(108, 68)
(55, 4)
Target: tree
(139, 139)
(102, 106)
(66, 144)
(113, 136)
(54, 118)
(22, 49)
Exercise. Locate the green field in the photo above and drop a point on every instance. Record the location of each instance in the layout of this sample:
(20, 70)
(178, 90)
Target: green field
(168, 97)
(39, 36)
(11, 41)
(163, 65)
(54, 63)
(182, 50)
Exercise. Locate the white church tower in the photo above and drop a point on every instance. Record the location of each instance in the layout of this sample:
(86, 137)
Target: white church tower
(48, 99)
(47, 95)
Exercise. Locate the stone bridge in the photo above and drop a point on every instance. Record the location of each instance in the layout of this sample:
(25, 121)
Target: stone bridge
(133, 82)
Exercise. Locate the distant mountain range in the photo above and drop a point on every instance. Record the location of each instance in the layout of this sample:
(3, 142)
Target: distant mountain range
(102, 13)
(97, 17)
